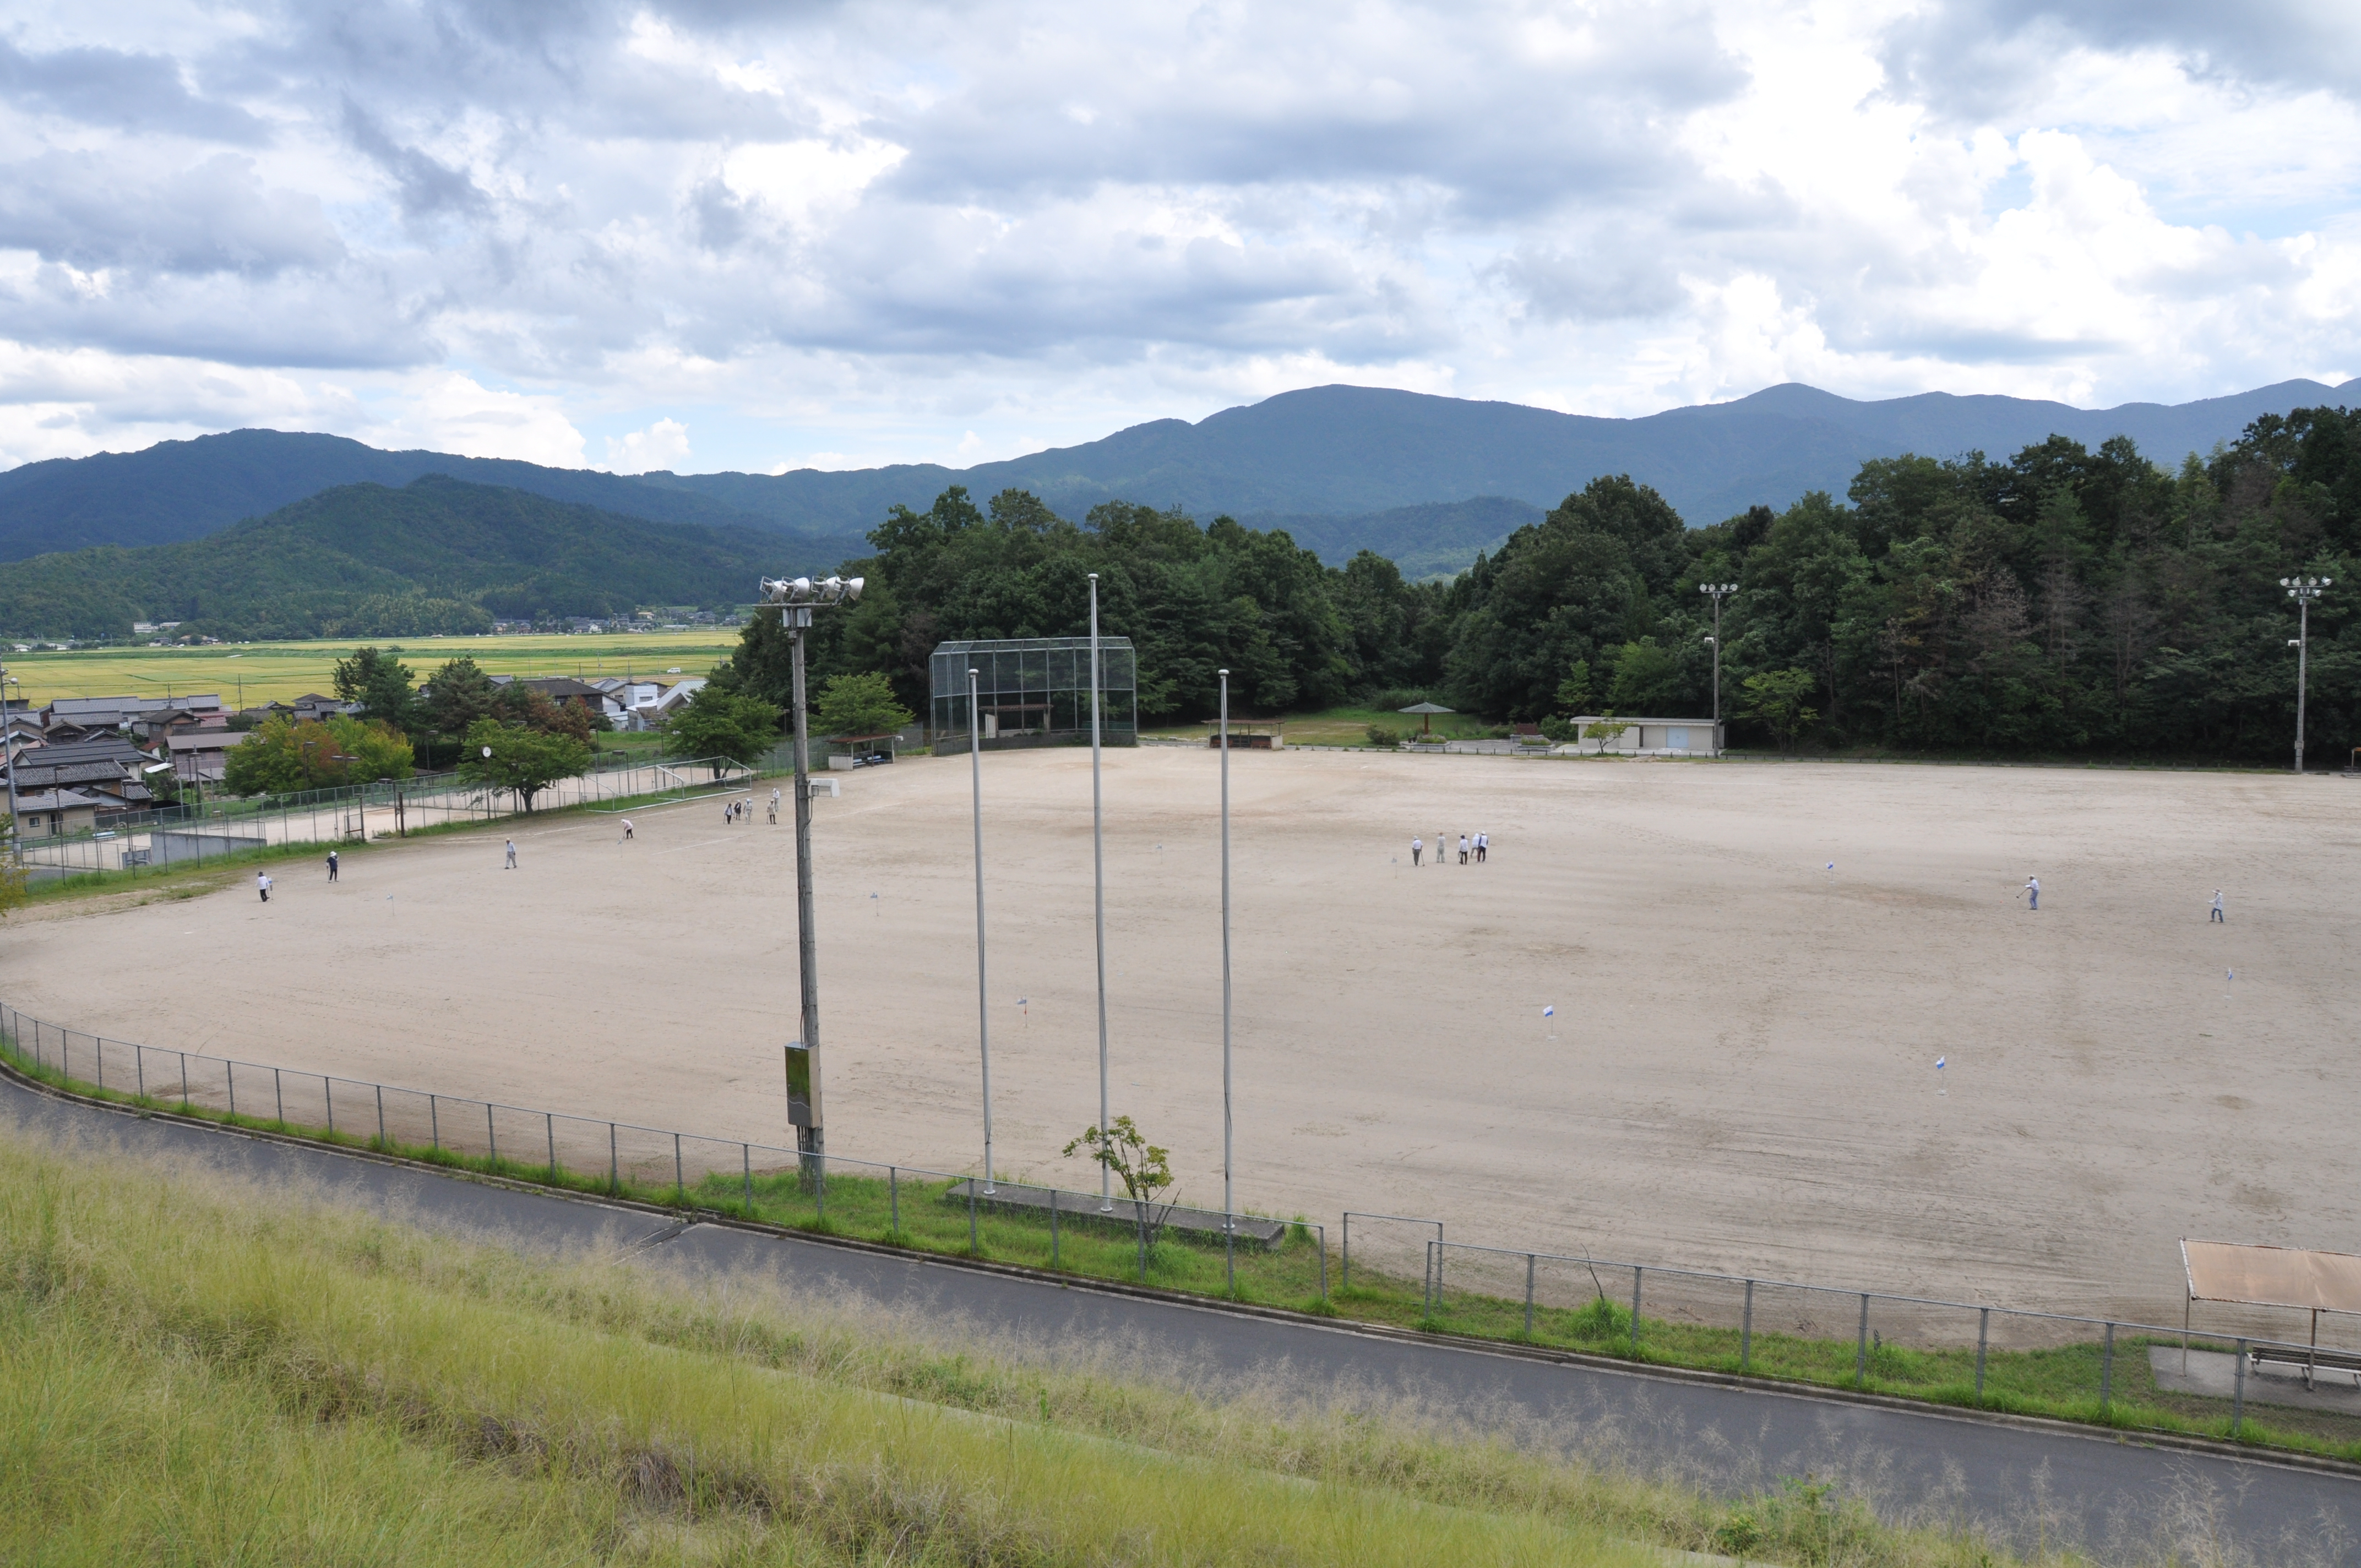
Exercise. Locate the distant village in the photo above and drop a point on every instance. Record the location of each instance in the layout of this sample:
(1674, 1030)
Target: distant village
(80, 764)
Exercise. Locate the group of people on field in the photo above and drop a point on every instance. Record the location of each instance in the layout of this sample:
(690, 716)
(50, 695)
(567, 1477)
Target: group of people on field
(1478, 845)
(739, 811)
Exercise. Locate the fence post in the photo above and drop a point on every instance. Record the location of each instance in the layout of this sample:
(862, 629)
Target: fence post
(139, 1070)
(229, 1071)
(973, 1245)
(614, 1170)
(679, 1179)
(434, 1123)
(2238, 1395)
(491, 1139)
(1053, 1228)
(184, 1084)
(893, 1197)
(2107, 1369)
(1860, 1353)
(746, 1160)
(819, 1188)
(1139, 1217)
(549, 1128)
(1344, 1274)
(1636, 1272)
(1983, 1337)
(328, 1093)
(1323, 1261)
(1529, 1295)
(101, 1041)
(278, 1096)
(383, 1146)
(1746, 1330)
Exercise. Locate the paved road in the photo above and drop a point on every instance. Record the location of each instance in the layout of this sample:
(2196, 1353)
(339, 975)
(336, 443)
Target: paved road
(2120, 1500)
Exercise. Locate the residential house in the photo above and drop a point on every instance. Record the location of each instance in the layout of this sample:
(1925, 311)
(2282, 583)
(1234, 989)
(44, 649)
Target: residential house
(107, 770)
(92, 715)
(56, 811)
(202, 755)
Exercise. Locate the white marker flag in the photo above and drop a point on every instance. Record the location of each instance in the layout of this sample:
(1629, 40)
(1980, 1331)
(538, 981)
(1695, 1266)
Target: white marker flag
(1549, 1011)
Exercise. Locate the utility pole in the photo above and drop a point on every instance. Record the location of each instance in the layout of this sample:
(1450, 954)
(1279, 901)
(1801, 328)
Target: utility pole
(982, 993)
(1229, 1191)
(1098, 893)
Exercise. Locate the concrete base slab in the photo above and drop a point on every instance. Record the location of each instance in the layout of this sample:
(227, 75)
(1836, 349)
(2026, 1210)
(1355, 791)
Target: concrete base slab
(1085, 1206)
(2214, 1374)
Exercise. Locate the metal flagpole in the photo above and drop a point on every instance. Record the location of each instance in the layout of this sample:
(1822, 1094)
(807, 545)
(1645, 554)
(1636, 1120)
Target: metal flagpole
(983, 1006)
(1229, 1195)
(1098, 886)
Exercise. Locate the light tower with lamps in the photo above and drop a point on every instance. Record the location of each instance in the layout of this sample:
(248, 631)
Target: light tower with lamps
(1717, 592)
(797, 597)
(2303, 590)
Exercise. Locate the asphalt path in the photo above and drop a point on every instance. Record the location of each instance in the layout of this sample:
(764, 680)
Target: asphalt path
(2122, 1500)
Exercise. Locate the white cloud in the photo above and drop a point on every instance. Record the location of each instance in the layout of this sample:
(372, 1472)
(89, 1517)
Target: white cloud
(664, 445)
(869, 233)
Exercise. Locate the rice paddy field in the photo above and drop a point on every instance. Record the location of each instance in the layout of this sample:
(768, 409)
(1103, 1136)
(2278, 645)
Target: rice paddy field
(245, 673)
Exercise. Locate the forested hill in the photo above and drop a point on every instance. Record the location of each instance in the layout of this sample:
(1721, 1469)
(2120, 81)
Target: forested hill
(1341, 465)
(371, 561)
(178, 490)
(2064, 599)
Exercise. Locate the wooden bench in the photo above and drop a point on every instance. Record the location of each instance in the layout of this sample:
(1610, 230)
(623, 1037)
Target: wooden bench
(2312, 1359)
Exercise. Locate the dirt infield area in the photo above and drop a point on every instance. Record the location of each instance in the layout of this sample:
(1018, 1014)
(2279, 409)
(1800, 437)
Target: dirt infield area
(1754, 969)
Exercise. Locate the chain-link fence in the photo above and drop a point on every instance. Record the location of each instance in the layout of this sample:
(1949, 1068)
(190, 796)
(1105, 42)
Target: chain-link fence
(2208, 1379)
(198, 834)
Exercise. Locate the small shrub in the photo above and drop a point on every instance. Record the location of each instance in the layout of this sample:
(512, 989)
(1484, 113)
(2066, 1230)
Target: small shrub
(1384, 735)
(1602, 1320)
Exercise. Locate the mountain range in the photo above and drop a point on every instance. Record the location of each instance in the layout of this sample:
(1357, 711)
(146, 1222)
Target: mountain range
(1426, 480)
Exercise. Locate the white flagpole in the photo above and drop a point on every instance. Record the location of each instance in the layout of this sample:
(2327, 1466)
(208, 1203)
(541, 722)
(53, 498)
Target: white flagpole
(983, 993)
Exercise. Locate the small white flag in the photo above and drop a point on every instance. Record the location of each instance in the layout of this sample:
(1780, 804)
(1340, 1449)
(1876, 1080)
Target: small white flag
(1938, 1064)
(1550, 1012)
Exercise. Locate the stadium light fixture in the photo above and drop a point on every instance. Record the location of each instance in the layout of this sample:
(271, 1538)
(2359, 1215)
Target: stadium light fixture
(796, 598)
(2303, 590)
(982, 991)
(1717, 592)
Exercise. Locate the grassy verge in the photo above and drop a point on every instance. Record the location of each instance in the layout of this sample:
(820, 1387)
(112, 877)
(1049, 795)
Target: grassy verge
(194, 1371)
(1303, 1274)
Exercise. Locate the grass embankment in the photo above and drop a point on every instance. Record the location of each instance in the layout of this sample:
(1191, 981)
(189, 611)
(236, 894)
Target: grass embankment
(187, 879)
(2073, 1382)
(1349, 726)
(194, 1371)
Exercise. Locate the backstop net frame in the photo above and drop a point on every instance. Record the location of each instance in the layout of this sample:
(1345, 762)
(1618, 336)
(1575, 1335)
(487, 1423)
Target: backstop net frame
(1035, 690)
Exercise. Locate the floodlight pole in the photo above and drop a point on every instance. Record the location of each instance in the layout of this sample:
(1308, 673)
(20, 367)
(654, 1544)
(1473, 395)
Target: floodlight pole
(1229, 1194)
(796, 598)
(2303, 590)
(1717, 590)
(1098, 894)
(983, 1005)
(810, 1139)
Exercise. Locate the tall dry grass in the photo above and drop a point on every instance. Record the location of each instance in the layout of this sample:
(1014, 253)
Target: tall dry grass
(194, 1371)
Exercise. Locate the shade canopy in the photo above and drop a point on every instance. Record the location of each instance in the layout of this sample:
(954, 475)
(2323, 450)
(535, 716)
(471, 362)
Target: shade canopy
(2272, 1277)
(1425, 707)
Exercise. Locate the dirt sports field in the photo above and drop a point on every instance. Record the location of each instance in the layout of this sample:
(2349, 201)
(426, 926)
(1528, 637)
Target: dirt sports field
(1742, 1073)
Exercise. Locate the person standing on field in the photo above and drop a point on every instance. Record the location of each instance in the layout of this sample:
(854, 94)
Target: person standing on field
(627, 830)
(511, 865)
(1463, 848)
(332, 865)
(262, 886)
(1483, 843)
(1416, 844)
(2032, 892)
(2216, 918)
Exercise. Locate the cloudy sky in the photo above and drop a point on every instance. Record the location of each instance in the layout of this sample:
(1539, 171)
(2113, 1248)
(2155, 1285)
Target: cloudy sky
(719, 234)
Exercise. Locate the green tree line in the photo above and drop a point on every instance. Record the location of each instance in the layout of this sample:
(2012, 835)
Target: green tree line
(2064, 600)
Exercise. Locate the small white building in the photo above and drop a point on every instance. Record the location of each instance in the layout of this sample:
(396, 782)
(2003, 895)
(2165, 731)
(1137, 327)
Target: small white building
(1651, 737)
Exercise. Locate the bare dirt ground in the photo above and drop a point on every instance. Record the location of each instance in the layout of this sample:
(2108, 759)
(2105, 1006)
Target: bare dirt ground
(1742, 1073)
